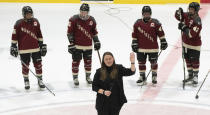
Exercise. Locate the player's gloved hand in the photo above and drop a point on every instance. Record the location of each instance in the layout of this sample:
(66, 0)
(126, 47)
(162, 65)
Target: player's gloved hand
(43, 49)
(14, 50)
(97, 45)
(179, 12)
(71, 48)
(182, 26)
(164, 44)
(134, 46)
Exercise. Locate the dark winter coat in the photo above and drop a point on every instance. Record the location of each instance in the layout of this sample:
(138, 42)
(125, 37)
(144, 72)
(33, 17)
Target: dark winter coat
(99, 84)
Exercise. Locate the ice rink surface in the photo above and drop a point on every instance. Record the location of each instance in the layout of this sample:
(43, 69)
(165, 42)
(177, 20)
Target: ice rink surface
(114, 23)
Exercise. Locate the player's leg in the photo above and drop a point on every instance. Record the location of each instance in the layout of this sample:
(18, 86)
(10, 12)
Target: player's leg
(87, 56)
(37, 61)
(76, 57)
(153, 57)
(141, 57)
(25, 61)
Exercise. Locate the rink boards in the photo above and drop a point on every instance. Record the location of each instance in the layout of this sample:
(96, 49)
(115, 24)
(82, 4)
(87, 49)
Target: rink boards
(114, 1)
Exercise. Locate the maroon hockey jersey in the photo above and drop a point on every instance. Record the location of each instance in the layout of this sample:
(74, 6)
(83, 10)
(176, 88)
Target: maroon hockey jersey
(83, 31)
(192, 38)
(146, 35)
(27, 35)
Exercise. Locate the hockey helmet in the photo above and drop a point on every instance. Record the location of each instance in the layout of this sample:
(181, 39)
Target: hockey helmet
(85, 7)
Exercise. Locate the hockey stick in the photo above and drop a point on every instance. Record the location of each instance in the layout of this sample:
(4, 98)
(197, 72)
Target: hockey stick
(183, 67)
(201, 85)
(99, 56)
(182, 54)
(36, 76)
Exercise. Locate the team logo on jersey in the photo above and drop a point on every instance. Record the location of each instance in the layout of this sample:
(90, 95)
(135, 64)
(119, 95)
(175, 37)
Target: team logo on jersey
(147, 35)
(196, 29)
(152, 25)
(84, 31)
(91, 23)
(28, 32)
(35, 23)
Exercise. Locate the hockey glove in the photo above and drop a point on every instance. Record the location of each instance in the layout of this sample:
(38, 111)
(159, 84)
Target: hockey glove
(97, 45)
(43, 49)
(182, 26)
(179, 12)
(134, 46)
(13, 50)
(164, 44)
(71, 48)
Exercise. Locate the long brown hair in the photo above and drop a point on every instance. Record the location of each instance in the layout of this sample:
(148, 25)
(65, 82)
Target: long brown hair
(104, 72)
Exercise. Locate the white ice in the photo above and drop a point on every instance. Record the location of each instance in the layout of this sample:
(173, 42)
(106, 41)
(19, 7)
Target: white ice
(114, 23)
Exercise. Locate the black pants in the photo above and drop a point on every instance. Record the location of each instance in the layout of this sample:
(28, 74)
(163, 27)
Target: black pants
(109, 110)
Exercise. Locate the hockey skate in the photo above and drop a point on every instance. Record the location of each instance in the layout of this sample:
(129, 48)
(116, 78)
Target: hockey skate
(89, 81)
(40, 83)
(195, 79)
(27, 83)
(154, 78)
(76, 81)
(142, 80)
(189, 78)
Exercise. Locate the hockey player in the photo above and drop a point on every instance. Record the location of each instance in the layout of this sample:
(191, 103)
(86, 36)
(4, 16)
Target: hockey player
(81, 33)
(144, 43)
(191, 26)
(28, 36)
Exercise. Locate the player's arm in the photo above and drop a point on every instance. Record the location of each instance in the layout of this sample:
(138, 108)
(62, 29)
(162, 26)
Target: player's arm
(97, 44)
(134, 44)
(13, 47)
(195, 29)
(70, 35)
(179, 13)
(161, 35)
(42, 46)
(71, 29)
